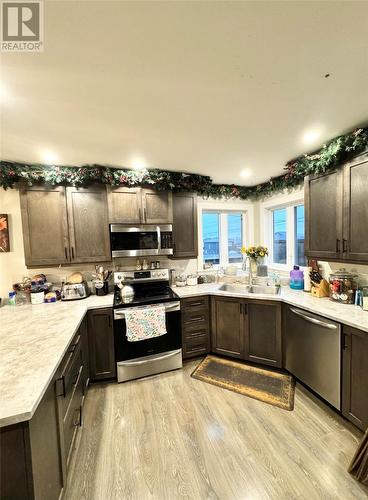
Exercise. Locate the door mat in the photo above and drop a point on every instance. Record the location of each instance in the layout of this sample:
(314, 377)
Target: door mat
(269, 386)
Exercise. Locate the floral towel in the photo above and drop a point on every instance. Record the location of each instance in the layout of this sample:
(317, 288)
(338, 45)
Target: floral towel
(145, 323)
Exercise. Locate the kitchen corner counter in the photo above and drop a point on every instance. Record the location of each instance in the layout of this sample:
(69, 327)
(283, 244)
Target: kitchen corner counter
(33, 342)
(347, 314)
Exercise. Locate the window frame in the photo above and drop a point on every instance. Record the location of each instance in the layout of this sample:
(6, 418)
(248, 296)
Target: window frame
(223, 234)
(290, 233)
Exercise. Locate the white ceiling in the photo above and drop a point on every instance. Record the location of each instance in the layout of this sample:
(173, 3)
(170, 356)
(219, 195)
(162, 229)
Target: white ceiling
(205, 87)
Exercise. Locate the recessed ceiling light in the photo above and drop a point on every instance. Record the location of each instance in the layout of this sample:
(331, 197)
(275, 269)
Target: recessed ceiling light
(138, 163)
(311, 136)
(49, 157)
(245, 173)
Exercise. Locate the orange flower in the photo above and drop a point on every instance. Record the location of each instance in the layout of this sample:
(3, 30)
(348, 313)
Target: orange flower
(3, 223)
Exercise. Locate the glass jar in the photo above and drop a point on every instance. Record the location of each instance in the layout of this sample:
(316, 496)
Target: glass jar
(343, 286)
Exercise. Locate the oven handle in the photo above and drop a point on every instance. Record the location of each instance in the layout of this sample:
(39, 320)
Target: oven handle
(152, 360)
(173, 306)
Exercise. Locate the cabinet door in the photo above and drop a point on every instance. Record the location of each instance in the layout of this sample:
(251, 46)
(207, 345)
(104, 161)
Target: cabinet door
(355, 243)
(185, 235)
(45, 226)
(101, 344)
(323, 198)
(228, 326)
(157, 207)
(83, 331)
(355, 377)
(263, 336)
(125, 205)
(88, 224)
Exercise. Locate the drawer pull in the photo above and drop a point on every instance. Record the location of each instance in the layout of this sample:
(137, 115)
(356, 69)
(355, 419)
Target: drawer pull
(196, 349)
(194, 304)
(197, 334)
(78, 421)
(73, 346)
(196, 318)
(62, 381)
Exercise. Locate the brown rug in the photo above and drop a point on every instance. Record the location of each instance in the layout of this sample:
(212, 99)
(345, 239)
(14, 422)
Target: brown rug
(269, 386)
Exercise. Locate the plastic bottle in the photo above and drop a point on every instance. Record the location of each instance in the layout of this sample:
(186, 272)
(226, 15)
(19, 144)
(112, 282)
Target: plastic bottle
(11, 300)
(296, 279)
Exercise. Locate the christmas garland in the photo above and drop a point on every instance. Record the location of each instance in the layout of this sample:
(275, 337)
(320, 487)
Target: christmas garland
(328, 157)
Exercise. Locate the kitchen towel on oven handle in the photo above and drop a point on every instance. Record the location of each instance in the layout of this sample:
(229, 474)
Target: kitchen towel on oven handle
(143, 323)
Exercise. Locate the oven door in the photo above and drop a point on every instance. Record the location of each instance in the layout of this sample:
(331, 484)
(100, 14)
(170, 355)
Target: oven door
(135, 241)
(171, 341)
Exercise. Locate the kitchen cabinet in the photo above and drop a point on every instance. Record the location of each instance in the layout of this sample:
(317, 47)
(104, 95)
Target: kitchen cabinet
(355, 241)
(101, 344)
(263, 332)
(195, 317)
(355, 377)
(228, 326)
(139, 206)
(89, 236)
(64, 225)
(45, 227)
(336, 213)
(38, 451)
(185, 234)
(323, 199)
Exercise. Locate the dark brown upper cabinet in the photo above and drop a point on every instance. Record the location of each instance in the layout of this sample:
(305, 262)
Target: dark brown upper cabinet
(336, 213)
(263, 332)
(323, 199)
(355, 241)
(88, 224)
(45, 225)
(139, 206)
(355, 377)
(228, 326)
(64, 225)
(185, 237)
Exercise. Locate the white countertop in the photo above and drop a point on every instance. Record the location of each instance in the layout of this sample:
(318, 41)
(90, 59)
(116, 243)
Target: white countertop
(343, 313)
(34, 339)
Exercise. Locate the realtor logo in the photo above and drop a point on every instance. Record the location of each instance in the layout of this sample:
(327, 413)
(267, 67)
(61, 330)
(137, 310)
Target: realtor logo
(22, 26)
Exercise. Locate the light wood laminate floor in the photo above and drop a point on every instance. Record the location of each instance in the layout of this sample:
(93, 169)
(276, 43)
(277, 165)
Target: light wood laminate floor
(171, 436)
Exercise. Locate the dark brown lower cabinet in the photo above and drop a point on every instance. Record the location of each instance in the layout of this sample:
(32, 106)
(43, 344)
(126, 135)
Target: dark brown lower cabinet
(355, 377)
(101, 344)
(195, 316)
(247, 329)
(228, 326)
(263, 332)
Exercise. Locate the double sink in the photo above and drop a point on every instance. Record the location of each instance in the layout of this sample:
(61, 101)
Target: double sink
(254, 289)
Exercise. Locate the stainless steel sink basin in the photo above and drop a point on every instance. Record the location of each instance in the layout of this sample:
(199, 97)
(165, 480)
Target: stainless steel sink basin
(254, 289)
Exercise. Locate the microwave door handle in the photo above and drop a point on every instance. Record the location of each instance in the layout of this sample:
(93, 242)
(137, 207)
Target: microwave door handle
(158, 239)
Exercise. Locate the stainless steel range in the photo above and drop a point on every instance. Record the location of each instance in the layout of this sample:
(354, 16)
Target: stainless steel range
(153, 355)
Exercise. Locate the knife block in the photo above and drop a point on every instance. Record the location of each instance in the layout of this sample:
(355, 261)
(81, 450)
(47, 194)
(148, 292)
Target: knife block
(321, 290)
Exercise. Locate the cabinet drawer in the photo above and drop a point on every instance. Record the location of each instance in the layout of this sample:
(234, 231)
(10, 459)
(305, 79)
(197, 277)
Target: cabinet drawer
(196, 332)
(73, 417)
(68, 380)
(194, 303)
(196, 347)
(194, 319)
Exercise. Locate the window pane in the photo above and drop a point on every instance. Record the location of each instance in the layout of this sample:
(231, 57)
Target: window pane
(211, 235)
(279, 236)
(234, 237)
(299, 235)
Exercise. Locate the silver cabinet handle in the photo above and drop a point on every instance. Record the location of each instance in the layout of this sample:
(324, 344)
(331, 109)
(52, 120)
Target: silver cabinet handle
(315, 321)
(158, 239)
(152, 360)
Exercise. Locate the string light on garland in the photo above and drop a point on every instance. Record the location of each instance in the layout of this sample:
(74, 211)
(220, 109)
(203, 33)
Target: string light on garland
(328, 157)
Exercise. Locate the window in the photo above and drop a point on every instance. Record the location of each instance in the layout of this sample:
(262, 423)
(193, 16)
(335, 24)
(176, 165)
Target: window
(222, 234)
(287, 235)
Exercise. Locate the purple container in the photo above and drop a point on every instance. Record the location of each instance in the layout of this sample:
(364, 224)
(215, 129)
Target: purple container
(296, 279)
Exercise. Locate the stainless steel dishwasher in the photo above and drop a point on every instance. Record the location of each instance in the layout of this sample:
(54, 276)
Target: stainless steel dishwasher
(313, 352)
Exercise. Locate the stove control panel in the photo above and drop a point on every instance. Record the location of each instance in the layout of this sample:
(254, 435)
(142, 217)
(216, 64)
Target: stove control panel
(141, 276)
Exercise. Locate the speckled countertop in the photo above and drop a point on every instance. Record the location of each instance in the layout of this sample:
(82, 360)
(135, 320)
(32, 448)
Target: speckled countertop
(34, 339)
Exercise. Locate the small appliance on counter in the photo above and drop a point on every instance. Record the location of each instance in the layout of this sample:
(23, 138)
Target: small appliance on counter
(192, 280)
(75, 288)
(343, 286)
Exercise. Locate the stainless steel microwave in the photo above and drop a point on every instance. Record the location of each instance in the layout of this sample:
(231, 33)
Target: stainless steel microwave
(145, 239)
